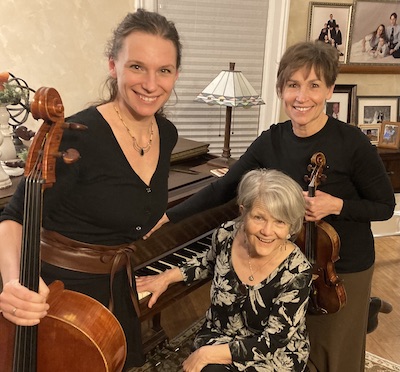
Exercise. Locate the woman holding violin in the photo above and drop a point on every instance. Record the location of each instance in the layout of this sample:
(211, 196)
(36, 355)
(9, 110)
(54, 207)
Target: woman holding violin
(355, 192)
(113, 194)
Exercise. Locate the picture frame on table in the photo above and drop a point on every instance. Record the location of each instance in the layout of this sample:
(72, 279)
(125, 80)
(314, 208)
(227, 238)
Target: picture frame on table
(368, 18)
(342, 105)
(333, 20)
(373, 110)
(372, 131)
(390, 135)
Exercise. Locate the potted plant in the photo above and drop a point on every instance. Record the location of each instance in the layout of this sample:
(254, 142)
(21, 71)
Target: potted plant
(10, 93)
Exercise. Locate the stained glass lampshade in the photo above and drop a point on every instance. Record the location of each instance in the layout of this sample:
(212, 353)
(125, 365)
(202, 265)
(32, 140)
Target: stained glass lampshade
(231, 89)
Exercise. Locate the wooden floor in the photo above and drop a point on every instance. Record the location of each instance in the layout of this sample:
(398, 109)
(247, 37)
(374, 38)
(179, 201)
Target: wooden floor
(385, 340)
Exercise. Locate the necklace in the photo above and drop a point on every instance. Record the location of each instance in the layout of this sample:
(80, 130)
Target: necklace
(252, 273)
(139, 149)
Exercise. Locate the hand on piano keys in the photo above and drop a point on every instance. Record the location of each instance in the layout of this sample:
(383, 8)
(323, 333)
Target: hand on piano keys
(154, 279)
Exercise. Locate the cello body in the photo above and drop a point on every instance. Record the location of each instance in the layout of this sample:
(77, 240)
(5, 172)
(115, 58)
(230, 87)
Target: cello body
(78, 334)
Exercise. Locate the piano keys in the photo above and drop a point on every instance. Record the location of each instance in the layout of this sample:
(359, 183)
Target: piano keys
(177, 258)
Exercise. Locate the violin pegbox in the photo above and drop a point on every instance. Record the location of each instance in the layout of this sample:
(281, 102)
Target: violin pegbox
(316, 168)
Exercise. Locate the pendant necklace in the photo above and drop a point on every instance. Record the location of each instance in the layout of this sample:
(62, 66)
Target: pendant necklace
(139, 149)
(252, 273)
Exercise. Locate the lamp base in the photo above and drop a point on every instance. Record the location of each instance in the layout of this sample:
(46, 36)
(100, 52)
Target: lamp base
(221, 162)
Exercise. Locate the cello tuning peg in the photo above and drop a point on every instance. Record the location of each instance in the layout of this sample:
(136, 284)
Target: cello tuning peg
(70, 156)
(306, 178)
(24, 133)
(310, 167)
(74, 126)
(323, 177)
(15, 164)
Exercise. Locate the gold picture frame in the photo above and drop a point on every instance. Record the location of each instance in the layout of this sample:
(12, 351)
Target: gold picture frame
(363, 26)
(390, 135)
(372, 131)
(325, 14)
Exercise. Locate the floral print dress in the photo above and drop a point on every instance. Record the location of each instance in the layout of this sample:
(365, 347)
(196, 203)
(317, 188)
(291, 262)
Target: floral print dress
(264, 324)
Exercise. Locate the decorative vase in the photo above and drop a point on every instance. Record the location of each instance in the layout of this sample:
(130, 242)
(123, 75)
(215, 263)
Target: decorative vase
(5, 180)
(7, 149)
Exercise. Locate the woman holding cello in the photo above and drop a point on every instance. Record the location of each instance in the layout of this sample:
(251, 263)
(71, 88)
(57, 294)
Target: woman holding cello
(356, 191)
(114, 194)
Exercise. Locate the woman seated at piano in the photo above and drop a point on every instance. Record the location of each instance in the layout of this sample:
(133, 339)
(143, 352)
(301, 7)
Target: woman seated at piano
(260, 283)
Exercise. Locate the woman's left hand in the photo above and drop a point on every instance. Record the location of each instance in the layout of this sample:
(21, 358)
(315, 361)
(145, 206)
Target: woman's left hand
(209, 354)
(196, 361)
(321, 205)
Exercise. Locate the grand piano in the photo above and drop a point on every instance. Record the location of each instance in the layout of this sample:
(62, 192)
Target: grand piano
(174, 243)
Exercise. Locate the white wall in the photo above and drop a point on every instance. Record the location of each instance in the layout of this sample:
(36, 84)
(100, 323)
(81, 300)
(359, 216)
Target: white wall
(59, 44)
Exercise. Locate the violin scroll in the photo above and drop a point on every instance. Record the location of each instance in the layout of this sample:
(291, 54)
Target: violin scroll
(316, 168)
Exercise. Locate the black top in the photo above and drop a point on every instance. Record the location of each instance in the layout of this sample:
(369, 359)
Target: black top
(100, 199)
(355, 173)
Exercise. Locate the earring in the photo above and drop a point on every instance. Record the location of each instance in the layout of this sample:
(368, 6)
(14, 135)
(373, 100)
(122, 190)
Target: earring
(288, 236)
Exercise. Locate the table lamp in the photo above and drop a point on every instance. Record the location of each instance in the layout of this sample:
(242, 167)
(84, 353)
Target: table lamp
(231, 89)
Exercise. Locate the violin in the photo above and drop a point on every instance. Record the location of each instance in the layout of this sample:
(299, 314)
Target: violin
(321, 245)
(78, 333)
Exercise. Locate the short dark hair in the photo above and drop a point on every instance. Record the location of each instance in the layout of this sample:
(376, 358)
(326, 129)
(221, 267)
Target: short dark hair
(308, 54)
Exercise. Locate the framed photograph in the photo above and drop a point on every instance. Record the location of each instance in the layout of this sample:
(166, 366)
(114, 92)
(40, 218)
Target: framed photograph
(342, 105)
(374, 110)
(371, 43)
(372, 131)
(390, 136)
(330, 23)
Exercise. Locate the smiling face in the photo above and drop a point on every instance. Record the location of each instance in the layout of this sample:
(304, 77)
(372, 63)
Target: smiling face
(264, 233)
(304, 96)
(146, 71)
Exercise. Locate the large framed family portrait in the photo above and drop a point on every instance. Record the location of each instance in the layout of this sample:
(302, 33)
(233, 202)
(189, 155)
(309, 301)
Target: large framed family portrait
(374, 32)
(330, 23)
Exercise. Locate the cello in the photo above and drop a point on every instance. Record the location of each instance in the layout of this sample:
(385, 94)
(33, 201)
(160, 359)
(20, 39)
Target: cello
(321, 244)
(78, 333)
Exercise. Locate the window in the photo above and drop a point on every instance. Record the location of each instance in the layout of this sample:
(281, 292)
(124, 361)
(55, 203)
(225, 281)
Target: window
(213, 34)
